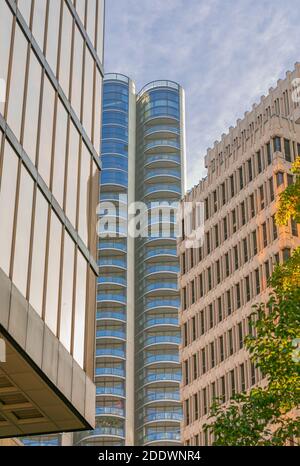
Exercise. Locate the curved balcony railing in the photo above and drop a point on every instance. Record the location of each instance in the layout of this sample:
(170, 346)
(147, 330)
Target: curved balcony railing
(104, 262)
(110, 333)
(108, 196)
(109, 432)
(162, 172)
(111, 315)
(114, 179)
(114, 371)
(162, 157)
(111, 297)
(162, 187)
(110, 352)
(112, 279)
(162, 268)
(161, 321)
(161, 436)
(110, 391)
(161, 128)
(161, 377)
(102, 245)
(160, 252)
(162, 358)
(161, 396)
(161, 286)
(110, 410)
(165, 416)
(162, 142)
(163, 303)
(162, 339)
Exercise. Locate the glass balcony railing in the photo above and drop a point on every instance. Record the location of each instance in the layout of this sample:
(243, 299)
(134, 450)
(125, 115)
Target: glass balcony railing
(112, 262)
(109, 431)
(160, 252)
(102, 245)
(160, 396)
(162, 142)
(163, 376)
(110, 352)
(111, 333)
(112, 279)
(110, 371)
(110, 410)
(162, 339)
(161, 436)
(165, 157)
(161, 285)
(110, 391)
(111, 315)
(161, 128)
(111, 297)
(162, 268)
(162, 321)
(162, 172)
(162, 358)
(163, 416)
(114, 178)
(162, 303)
(162, 187)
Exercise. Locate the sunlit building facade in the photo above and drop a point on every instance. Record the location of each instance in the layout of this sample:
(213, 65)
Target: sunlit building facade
(137, 340)
(224, 277)
(51, 73)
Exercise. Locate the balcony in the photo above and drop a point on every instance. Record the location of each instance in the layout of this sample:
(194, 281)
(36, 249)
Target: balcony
(110, 410)
(162, 358)
(111, 262)
(153, 303)
(119, 298)
(111, 315)
(162, 129)
(172, 158)
(161, 321)
(160, 377)
(161, 286)
(110, 371)
(162, 436)
(116, 391)
(104, 279)
(160, 252)
(162, 339)
(163, 416)
(109, 432)
(165, 143)
(115, 245)
(163, 396)
(111, 352)
(162, 172)
(111, 334)
(162, 268)
(163, 187)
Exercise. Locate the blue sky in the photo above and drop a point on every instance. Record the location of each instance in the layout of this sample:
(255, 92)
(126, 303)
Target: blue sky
(225, 53)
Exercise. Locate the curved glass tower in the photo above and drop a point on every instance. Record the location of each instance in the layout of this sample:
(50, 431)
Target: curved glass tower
(137, 351)
(160, 153)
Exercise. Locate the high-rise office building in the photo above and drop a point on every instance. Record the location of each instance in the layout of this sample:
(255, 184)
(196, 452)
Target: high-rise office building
(137, 345)
(222, 279)
(51, 74)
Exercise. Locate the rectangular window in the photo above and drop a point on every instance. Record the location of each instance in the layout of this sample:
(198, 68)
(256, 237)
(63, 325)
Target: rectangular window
(187, 412)
(286, 254)
(269, 153)
(238, 295)
(262, 197)
(195, 366)
(192, 258)
(223, 391)
(202, 323)
(250, 174)
(221, 347)
(184, 300)
(230, 342)
(245, 248)
(204, 396)
(279, 179)
(203, 359)
(223, 189)
(225, 228)
(275, 231)
(253, 375)
(183, 270)
(271, 189)
(206, 209)
(241, 336)
(196, 410)
(186, 372)
(207, 243)
(193, 291)
(234, 225)
(194, 328)
(220, 313)
(218, 269)
(241, 178)
(243, 380)
(243, 213)
(248, 289)
(232, 381)
(259, 162)
(212, 354)
(252, 206)
(287, 150)
(185, 334)
(265, 236)
(236, 258)
(254, 242)
(201, 291)
(267, 270)
(277, 144)
(228, 295)
(290, 179)
(294, 228)
(227, 265)
(211, 316)
(216, 236)
(209, 278)
(232, 191)
(257, 281)
(215, 200)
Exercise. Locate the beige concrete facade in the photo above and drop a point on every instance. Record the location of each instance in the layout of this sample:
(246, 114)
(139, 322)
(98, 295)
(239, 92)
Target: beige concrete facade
(221, 280)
